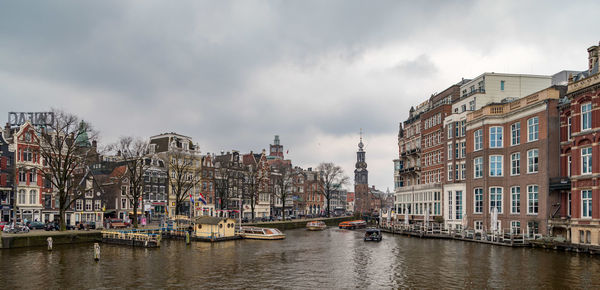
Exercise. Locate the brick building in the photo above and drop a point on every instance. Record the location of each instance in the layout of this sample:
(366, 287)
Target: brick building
(578, 218)
(512, 153)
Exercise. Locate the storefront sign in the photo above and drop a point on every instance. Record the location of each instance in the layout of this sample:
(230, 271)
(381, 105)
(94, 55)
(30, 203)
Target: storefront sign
(36, 118)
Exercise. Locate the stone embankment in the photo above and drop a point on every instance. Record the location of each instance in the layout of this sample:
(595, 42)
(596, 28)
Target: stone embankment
(300, 223)
(40, 238)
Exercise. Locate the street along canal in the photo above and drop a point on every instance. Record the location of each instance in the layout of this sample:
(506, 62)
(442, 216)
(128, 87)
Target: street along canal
(328, 259)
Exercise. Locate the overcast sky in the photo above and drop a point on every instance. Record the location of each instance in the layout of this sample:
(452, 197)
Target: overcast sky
(233, 74)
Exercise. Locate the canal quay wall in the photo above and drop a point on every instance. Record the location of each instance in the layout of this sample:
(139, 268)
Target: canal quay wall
(39, 239)
(542, 243)
(300, 224)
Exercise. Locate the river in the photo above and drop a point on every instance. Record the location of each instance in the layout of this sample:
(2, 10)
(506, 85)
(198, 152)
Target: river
(329, 259)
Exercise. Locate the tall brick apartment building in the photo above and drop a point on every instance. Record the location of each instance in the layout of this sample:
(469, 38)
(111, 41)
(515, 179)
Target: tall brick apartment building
(579, 214)
(512, 153)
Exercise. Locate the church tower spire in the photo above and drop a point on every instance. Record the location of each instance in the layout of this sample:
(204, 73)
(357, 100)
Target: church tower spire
(361, 179)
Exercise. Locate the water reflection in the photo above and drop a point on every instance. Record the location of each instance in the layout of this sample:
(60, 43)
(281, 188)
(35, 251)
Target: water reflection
(328, 259)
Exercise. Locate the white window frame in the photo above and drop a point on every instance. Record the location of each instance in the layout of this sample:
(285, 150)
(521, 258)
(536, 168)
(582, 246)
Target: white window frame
(515, 128)
(501, 173)
(586, 117)
(586, 199)
(478, 140)
(533, 161)
(533, 199)
(496, 200)
(515, 191)
(478, 173)
(533, 129)
(514, 160)
(586, 159)
(477, 192)
(569, 133)
(496, 138)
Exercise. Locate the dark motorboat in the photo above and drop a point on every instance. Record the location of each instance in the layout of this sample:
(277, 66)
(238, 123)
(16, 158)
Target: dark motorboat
(373, 235)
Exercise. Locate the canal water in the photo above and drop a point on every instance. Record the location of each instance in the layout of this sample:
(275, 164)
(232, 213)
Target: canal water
(331, 259)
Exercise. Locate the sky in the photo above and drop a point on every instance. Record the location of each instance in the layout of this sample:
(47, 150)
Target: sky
(232, 74)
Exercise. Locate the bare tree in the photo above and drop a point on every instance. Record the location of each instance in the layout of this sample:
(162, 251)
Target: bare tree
(332, 179)
(254, 181)
(184, 176)
(133, 151)
(283, 182)
(65, 145)
(223, 180)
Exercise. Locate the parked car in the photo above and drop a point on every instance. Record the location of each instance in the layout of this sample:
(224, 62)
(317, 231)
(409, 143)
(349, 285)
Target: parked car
(245, 220)
(16, 228)
(35, 225)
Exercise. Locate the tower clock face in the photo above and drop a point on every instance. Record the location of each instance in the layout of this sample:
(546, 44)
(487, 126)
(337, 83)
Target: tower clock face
(361, 165)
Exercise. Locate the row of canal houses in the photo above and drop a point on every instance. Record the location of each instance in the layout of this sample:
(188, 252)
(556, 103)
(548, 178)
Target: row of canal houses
(220, 186)
(518, 149)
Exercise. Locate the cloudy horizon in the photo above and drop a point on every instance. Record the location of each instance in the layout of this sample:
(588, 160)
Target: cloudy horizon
(232, 74)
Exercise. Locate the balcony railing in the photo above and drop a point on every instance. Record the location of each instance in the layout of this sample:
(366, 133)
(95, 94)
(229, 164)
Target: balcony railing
(477, 91)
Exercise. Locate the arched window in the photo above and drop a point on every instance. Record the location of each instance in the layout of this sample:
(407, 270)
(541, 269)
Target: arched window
(22, 196)
(32, 196)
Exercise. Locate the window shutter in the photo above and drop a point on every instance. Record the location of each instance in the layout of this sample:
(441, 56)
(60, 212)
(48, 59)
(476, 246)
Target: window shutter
(3, 163)
(3, 178)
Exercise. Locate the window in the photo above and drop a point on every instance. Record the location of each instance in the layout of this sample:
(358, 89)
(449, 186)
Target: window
(496, 165)
(459, 204)
(450, 151)
(450, 131)
(533, 228)
(586, 160)
(533, 129)
(569, 162)
(33, 196)
(463, 171)
(88, 205)
(463, 128)
(478, 140)
(456, 173)
(569, 204)
(586, 203)
(515, 134)
(586, 116)
(515, 227)
(496, 198)
(502, 85)
(32, 175)
(97, 204)
(478, 208)
(22, 196)
(450, 216)
(515, 163)
(569, 136)
(22, 176)
(532, 199)
(478, 164)
(123, 190)
(463, 149)
(456, 151)
(496, 137)
(478, 225)
(515, 200)
(532, 160)
(79, 205)
(449, 172)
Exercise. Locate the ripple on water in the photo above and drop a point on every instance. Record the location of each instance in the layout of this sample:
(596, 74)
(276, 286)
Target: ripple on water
(321, 260)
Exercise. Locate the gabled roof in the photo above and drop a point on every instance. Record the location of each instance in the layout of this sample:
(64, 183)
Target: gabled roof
(119, 171)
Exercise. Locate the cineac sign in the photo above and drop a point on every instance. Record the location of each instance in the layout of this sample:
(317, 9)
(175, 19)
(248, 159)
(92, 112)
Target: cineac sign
(36, 118)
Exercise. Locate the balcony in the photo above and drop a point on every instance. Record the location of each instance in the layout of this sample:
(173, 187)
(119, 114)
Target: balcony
(411, 152)
(409, 169)
(477, 91)
(560, 183)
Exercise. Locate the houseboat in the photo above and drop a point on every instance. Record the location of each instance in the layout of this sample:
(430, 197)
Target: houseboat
(316, 226)
(261, 233)
(351, 225)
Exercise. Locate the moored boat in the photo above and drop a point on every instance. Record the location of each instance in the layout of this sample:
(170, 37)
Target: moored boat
(351, 225)
(261, 233)
(316, 226)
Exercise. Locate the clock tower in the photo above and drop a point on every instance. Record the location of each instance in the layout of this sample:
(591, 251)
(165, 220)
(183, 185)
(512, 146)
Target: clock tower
(361, 180)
